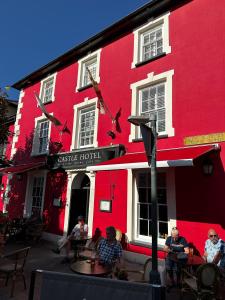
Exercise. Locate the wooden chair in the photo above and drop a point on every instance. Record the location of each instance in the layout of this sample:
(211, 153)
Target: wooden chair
(12, 265)
(205, 284)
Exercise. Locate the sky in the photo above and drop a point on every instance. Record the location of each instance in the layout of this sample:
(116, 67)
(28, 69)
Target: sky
(33, 33)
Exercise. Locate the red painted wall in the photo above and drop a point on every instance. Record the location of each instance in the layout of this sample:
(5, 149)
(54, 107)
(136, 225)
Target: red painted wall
(197, 58)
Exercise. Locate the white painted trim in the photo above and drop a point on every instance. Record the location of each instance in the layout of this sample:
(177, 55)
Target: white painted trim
(130, 191)
(84, 60)
(16, 125)
(143, 165)
(53, 90)
(152, 79)
(71, 176)
(28, 197)
(160, 21)
(87, 102)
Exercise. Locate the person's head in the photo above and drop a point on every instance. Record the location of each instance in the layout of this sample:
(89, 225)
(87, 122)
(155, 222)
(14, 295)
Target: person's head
(175, 233)
(110, 233)
(97, 234)
(80, 220)
(213, 236)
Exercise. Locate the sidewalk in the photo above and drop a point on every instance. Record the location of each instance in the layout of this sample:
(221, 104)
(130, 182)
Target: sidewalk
(41, 257)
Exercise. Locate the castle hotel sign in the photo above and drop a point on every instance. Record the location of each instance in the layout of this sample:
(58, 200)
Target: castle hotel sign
(83, 158)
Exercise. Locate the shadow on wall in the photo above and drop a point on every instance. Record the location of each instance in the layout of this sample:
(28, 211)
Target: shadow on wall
(55, 184)
(200, 199)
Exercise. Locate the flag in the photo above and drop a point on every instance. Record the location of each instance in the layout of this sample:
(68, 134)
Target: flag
(100, 103)
(65, 129)
(51, 118)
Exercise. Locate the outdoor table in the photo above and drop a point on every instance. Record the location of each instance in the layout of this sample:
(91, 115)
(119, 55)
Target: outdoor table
(86, 267)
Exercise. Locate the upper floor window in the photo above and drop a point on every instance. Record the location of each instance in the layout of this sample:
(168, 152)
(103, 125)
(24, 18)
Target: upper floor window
(151, 40)
(47, 89)
(91, 62)
(153, 95)
(152, 100)
(41, 137)
(85, 125)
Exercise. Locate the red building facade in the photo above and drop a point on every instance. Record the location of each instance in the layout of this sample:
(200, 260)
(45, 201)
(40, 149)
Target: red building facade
(166, 58)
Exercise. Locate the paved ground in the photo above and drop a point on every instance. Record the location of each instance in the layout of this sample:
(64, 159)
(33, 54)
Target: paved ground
(41, 257)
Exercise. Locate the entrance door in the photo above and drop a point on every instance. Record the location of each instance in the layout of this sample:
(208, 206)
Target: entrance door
(79, 202)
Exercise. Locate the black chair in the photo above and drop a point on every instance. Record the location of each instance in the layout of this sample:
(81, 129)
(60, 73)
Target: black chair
(12, 265)
(204, 285)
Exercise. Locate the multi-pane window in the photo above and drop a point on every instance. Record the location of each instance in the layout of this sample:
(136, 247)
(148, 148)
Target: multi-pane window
(47, 90)
(151, 43)
(144, 205)
(92, 66)
(37, 193)
(86, 126)
(152, 100)
(43, 136)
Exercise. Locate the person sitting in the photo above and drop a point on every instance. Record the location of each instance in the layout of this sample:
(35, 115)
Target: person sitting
(109, 249)
(79, 233)
(175, 244)
(212, 247)
(91, 245)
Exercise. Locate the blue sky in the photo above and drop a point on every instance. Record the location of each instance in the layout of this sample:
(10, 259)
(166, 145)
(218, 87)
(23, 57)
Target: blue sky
(35, 32)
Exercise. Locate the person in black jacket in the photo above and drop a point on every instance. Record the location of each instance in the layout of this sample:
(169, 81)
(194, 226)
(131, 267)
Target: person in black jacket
(177, 248)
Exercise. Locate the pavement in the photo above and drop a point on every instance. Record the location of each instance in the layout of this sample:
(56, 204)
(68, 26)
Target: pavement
(41, 257)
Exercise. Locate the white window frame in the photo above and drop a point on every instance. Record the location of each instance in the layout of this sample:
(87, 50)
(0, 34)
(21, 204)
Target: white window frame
(75, 142)
(36, 144)
(152, 80)
(132, 196)
(162, 21)
(29, 189)
(53, 76)
(82, 62)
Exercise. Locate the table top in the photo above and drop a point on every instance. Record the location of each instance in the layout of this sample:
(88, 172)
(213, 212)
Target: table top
(84, 267)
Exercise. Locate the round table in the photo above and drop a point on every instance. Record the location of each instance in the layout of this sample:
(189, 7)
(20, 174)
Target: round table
(85, 267)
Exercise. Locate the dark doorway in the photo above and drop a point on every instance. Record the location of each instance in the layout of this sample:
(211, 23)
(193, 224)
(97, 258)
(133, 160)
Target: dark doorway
(79, 202)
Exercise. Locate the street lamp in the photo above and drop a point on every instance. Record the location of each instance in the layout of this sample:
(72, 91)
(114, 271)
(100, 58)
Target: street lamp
(149, 136)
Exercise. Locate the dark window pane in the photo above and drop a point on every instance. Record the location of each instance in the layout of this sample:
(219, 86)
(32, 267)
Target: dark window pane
(143, 227)
(142, 180)
(163, 230)
(161, 195)
(161, 179)
(150, 211)
(162, 212)
(144, 211)
(150, 228)
(142, 195)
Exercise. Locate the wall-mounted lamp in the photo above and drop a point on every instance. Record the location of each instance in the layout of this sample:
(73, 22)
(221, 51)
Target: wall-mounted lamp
(19, 176)
(207, 167)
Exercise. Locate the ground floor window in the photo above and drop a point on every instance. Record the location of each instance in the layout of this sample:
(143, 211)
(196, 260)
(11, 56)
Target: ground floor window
(143, 205)
(37, 193)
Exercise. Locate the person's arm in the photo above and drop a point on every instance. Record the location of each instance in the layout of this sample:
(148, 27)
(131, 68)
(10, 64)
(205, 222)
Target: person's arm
(166, 247)
(205, 255)
(217, 258)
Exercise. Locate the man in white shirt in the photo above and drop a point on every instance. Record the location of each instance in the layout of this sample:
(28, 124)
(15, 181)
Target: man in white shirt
(79, 233)
(212, 247)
